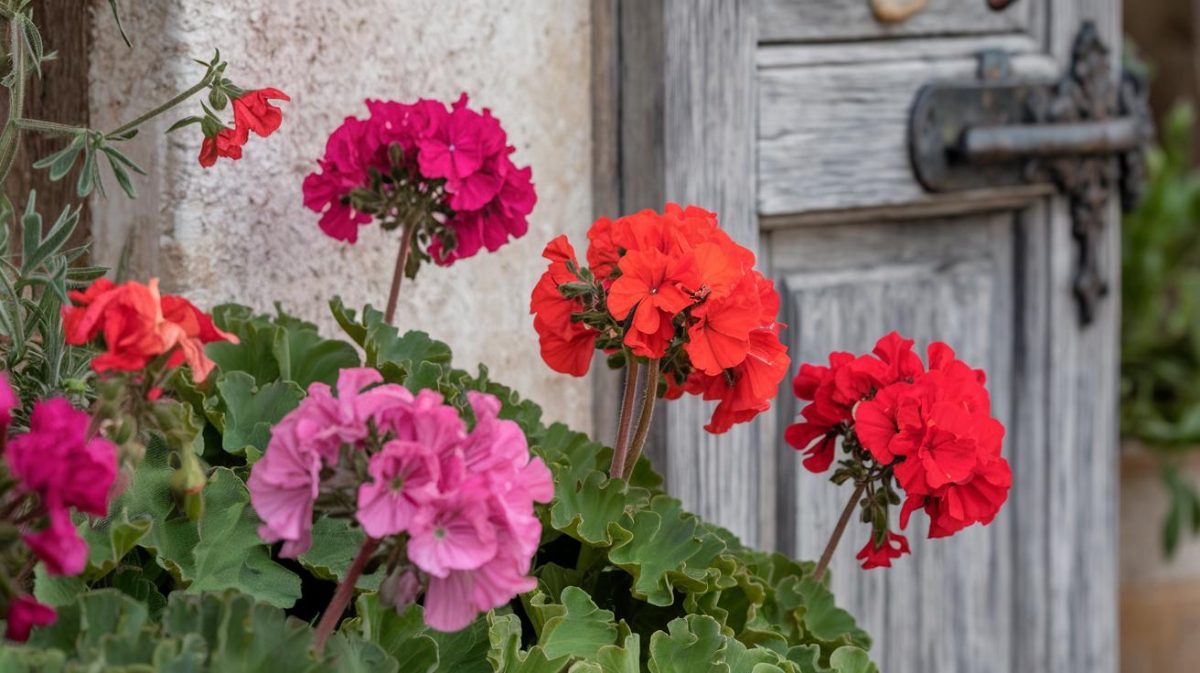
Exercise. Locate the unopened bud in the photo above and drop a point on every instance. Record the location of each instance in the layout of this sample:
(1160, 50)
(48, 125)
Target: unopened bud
(400, 589)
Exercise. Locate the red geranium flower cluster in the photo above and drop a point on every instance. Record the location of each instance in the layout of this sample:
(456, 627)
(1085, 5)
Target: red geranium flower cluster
(444, 171)
(252, 111)
(140, 327)
(672, 288)
(54, 467)
(928, 429)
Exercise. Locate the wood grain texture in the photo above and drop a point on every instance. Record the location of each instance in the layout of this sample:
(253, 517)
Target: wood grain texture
(843, 20)
(708, 147)
(811, 117)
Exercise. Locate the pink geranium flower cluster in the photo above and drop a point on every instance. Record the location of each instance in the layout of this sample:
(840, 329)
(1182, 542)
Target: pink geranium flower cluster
(454, 160)
(56, 467)
(460, 502)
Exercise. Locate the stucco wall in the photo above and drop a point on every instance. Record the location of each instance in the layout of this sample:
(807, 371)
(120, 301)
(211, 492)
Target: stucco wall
(238, 231)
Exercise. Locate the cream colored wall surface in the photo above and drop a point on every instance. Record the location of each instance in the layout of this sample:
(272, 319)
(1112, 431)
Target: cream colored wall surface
(239, 232)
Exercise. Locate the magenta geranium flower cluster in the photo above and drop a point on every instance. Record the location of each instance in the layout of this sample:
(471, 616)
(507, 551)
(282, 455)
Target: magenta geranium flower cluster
(458, 504)
(55, 467)
(407, 159)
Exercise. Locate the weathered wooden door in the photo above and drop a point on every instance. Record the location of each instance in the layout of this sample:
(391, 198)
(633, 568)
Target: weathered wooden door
(791, 119)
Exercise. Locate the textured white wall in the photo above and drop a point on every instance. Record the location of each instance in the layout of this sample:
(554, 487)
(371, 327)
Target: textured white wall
(239, 232)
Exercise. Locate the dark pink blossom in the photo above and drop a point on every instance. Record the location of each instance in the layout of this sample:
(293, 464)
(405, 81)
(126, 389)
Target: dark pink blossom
(57, 460)
(59, 545)
(24, 613)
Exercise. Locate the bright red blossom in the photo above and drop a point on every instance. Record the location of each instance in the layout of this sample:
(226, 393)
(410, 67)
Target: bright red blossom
(894, 546)
(932, 428)
(252, 112)
(673, 288)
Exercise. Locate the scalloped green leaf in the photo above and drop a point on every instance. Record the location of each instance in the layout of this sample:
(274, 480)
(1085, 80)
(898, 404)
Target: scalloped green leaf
(576, 627)
(822, 618)
(505, 654)
(245, 411)
(403, 635)
(229, 554)
(586, 510)
(305, 357)
(692, 644)
(845, 659)
(664, 549)
(335, 543)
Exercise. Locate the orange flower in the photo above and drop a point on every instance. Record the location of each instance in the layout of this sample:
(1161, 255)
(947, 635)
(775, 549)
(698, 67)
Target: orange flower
(747, 390)
(655, 287)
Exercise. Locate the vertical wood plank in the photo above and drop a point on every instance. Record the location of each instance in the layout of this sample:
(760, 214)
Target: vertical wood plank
(708, 151)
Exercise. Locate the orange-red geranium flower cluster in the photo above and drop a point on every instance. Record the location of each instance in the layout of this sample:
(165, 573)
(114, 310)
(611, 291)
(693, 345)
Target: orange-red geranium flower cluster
(139, 326)
(672, 288)
(930, 429)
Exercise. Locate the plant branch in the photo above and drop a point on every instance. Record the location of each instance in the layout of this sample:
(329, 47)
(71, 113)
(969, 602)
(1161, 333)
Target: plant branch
(837, 532)
(204, 83)
(649, 396)
(341, 597)
(11, 138)
(398, 275)
(52, 128)
(621, 448)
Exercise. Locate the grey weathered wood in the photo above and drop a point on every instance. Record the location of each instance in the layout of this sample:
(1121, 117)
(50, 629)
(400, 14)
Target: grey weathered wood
(858, 248)
(809, 116)
(833, 20)
(687, 120)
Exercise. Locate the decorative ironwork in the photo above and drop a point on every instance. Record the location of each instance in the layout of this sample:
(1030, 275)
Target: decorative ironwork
(1086, 134)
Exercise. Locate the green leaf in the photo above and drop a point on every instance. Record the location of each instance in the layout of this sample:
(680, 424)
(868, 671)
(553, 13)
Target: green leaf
(112, 4)
(692, 644)
(463, 651)
(822, 618)
(576, 628)
(505, 654)
(246, 412)
(665, 549)
(586, 510)
(229, 553)
(305, 357)
(335, 544)
(404, 635)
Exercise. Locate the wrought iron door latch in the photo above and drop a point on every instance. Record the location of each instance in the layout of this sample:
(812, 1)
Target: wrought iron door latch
(1086, 134)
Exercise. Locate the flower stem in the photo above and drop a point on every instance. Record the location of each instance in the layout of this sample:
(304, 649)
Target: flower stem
(649, 396)
(179, 98)
(398, 274)
(837, 532)
(11, 137)
(341, 597)
(621, 448)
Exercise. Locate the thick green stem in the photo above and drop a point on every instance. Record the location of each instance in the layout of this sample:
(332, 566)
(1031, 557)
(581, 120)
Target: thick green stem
(837, 532)
(621, 448)
(179, 98)
(341, 597)
(11, 138)
(649, 397)
(398, 275)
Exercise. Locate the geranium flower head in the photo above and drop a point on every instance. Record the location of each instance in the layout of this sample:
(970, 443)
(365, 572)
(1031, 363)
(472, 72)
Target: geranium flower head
(452, 161)
(24, 613)
(57, 460)
(139, 325)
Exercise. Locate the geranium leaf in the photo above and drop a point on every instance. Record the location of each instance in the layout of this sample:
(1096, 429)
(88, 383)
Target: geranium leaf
(305, 357)
(463, 651)
(574, 628)
(245, 412)
(665, 548)
(403, 635)
(692, 644)
(229, 554)
(822, 618)
(586, 509)
(335, 544)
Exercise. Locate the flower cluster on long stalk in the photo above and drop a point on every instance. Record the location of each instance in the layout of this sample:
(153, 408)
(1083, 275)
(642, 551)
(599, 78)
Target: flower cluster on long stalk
(441, 174)
(673, 292)
(921, 429)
